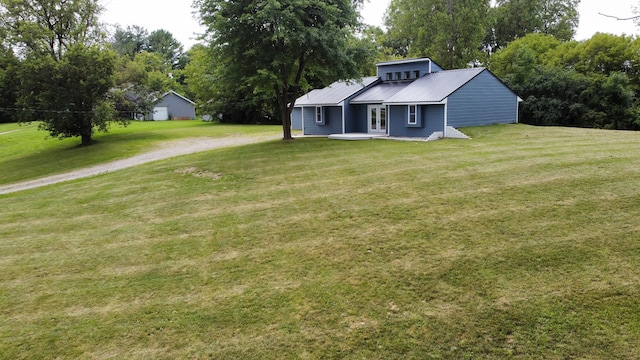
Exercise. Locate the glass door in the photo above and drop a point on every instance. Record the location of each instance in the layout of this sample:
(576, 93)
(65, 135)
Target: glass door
(377, 119)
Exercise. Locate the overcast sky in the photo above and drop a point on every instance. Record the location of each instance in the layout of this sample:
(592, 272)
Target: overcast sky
(176, 16)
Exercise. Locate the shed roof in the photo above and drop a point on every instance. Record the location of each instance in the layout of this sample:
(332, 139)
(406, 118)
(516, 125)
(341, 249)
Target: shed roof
(176, 94)
(335, 93)
(378, 94)
(434, 87)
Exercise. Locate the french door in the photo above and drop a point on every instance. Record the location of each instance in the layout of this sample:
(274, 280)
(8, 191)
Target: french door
(377, 119)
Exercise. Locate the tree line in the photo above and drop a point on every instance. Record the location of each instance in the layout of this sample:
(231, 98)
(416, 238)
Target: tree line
(258, 56)
(59, 65)
(584, 84)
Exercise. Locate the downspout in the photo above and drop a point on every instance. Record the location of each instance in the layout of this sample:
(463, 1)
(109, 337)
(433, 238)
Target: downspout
(344, 126)
(387, 125)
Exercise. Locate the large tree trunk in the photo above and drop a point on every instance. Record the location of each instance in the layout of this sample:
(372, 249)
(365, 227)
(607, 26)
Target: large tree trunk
(86, 131)
(286, 123)
(86, 139)
(286, 107)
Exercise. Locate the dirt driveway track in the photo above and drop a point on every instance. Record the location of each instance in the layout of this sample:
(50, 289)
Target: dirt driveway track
(165, 151)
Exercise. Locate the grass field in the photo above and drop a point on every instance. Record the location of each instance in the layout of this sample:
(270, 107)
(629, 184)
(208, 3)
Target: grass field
(28, 153)
(521, 243)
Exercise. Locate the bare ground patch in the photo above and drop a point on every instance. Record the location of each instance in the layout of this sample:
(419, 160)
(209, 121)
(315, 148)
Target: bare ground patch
(199, 173)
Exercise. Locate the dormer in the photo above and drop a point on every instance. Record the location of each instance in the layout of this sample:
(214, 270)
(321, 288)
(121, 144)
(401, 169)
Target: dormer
(406, 69)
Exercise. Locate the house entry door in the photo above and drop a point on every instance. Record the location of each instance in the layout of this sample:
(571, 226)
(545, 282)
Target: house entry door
(377, 119)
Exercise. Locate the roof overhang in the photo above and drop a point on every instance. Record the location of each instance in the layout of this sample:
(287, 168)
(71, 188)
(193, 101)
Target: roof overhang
(319, 104)
(363, 102)
(403, 61)
(441, 102)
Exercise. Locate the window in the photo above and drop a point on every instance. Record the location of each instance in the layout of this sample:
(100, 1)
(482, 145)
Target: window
(416, 73)
(407, 75)
(319, 117)
(389, 76)
(413, 118)
(398, 74)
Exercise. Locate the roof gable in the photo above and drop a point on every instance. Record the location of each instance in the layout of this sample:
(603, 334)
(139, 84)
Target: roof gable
(335, 93)
(434, 87)
(171, 92)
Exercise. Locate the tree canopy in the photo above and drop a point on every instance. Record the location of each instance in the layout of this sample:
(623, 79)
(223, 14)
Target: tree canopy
(136, 39)
(448, 31)
(589, 84)
(139, 82)
(274, 46)
(162, 42)
(66, 75)
(455, 33)
(50, 26)
(130, 41)
(514, 19)
(9, 83)
(71, 101)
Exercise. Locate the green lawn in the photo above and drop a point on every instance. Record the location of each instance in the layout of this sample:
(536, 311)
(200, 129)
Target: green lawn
(521, 243)
(27, 153)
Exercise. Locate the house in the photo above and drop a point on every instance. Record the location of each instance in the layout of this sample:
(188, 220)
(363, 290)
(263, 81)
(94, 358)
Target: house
(172, 105)
(407, 98)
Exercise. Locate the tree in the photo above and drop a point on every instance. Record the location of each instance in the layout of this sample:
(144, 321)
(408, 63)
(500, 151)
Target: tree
(554, 96)
(72, 100)
(448, 31)
(9, 84)
(162, 42)
(139, 82)
(586, 84)
(271, 47)
(50, 26)
(65, 77)
(375, 46)
(611, 103)
(514, 19)
(518, 60)
(604, 54)
(198, 74)
(130, 41)
(233, 103)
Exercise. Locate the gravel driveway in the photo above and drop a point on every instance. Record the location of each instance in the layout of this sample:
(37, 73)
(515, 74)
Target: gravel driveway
(165, 151)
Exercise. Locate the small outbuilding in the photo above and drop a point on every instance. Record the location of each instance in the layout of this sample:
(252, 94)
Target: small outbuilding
(173, 106)
(407, 98)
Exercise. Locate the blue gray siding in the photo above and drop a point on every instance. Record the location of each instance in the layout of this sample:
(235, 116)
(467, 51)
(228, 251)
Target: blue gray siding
(422, 66)
(296, 118)
(332, 121)
(482, 101)
(431, 119)
(357, 119)
(177, 107)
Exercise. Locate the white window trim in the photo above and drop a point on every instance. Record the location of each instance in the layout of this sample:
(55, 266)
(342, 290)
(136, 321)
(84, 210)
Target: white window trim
(319, 116)
(415, 115)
